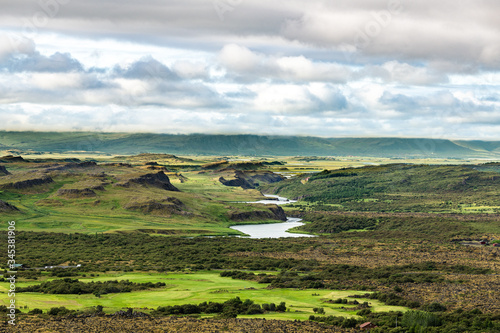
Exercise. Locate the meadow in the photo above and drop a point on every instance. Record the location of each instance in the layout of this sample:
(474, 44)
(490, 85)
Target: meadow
(195, 288)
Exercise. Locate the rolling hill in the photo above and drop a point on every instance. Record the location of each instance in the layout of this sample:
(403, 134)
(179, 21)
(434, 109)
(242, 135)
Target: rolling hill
(253, 145)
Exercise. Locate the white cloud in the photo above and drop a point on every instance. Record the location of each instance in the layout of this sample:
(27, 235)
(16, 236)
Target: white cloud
(346, 67)
(239, 58)
(11, 44)
(191, 70)
(249, 65)
(394, 71)
(301, 68)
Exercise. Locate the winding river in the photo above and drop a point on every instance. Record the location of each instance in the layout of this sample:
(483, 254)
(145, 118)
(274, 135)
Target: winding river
(272, 230)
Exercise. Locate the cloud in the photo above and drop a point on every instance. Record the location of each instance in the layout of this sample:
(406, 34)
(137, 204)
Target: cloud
(146, 68)
(191, 70)
(348, 31)
(346, 67)
(249, 65)
(289, 100)
(443, 107)
(10, 45)
(394, 71)
(407, 31)
(303, 69)
(36, 62)
(239, 58)
(106, 88)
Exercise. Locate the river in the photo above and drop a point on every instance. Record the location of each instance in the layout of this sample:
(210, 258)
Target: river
(272, 230)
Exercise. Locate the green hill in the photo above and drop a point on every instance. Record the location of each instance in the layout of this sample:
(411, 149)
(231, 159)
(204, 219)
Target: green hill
(398, 188)
(201, 144)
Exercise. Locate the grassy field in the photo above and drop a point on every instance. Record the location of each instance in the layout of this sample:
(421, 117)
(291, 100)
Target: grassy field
(203, 209)
(195, 288)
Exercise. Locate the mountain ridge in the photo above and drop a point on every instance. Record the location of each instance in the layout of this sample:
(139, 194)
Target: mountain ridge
(244, 144)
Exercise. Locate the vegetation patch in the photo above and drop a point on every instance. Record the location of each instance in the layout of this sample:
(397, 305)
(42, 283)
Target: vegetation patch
(74, 286)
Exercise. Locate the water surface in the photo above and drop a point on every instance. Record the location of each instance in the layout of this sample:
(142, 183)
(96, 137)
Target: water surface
(274, 199)
(272, 230)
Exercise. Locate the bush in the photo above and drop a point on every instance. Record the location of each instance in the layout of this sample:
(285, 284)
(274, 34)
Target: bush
(363, 312)
(59, 311)
(435, 307)
(281, 307)
(349, 323)
(319, 310)
(419, 319)
(254, 309)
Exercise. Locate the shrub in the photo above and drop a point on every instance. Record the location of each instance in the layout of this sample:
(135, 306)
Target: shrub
(363, 312)
(435, 307)
(319, 310)
(419, 319)
(281, 307)
(59, 311)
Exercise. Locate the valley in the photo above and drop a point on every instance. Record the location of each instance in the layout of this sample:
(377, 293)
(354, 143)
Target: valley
(387, 234)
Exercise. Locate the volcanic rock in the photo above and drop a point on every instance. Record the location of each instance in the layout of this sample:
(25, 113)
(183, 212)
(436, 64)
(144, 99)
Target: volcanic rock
(7, 207)
(3, 170)
(159, 180)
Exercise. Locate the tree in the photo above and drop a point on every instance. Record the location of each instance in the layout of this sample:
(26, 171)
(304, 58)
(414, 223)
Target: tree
(281, 307)
(319, 310)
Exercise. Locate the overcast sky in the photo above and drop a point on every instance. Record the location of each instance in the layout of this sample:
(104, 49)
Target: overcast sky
(343, 68)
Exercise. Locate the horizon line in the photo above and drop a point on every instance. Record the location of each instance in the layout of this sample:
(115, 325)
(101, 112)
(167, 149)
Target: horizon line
(250, 134)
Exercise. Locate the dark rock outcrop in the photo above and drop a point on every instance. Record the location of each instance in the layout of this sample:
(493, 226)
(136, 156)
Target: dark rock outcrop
(237, 182)
(73, 166)
(76, 193)
(224, 165)
(126, 165)
(165, 207)
(267, 177)
(157, 167)
(28, 183)
(273, 212)
(11, 159)
(3, 170)
(215, 165)
(273, 163)
(159, 180)
(82, 165)
(244, 166)
(278, 212)
(250, 180)
(7, 207)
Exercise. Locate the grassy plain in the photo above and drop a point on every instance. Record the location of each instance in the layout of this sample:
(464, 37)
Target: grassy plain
(195, 288)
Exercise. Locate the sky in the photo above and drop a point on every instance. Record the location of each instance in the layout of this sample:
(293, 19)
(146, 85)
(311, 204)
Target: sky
(344, 68)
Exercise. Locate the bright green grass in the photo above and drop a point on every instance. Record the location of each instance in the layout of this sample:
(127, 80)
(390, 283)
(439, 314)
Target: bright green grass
(195, 288)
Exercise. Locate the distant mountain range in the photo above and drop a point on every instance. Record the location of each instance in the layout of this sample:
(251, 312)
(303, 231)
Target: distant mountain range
(134, 143)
